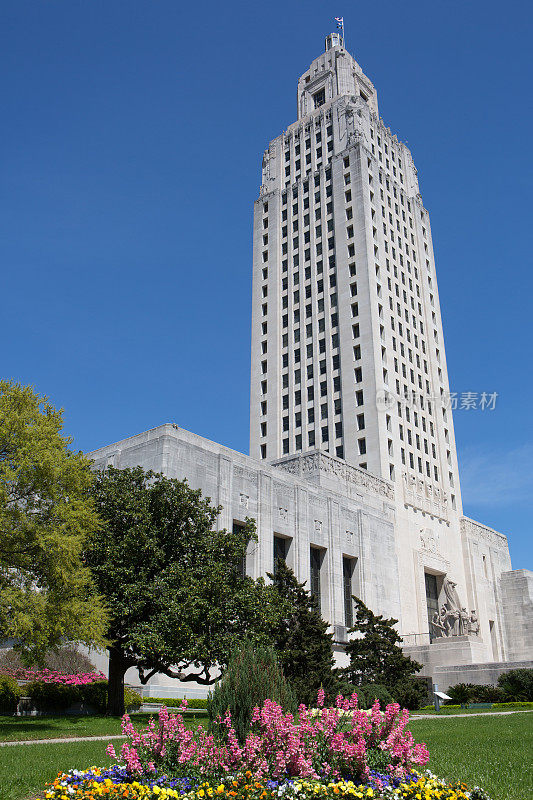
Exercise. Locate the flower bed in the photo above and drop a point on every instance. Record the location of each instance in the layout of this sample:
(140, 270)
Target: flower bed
(117, 783)
(333, 751)
(52, 676)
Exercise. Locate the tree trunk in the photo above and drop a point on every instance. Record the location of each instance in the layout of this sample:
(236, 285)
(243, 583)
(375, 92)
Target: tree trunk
(115, 688)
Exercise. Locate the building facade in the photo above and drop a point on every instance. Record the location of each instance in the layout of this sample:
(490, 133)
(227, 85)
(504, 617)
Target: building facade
(352, 475)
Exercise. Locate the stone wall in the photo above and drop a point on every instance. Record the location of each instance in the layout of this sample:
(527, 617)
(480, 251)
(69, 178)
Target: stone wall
(517, 602)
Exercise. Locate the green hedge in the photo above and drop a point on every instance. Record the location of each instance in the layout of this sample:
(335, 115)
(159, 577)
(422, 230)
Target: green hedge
(175, 702)
(10, 693)
(518, 705)
(51, 696)
(495, 706)
(47, 696)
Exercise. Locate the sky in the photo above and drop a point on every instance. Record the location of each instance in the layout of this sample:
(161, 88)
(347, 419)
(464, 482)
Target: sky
(131, 147)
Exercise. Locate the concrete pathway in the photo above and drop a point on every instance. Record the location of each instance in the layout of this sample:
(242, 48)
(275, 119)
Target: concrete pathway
(475, 714)
(119, 736)
(65, 740)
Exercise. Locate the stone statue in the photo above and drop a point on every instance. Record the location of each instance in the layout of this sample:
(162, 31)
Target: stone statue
(437, 626)
(464, 622)
(474, 623)
(452, 598)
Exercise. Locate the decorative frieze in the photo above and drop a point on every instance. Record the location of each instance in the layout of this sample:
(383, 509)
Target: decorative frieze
(422, 495)
(329, 465)
(479, 531)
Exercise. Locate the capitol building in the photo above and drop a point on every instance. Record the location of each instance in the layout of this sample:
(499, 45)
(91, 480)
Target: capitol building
(352, 475)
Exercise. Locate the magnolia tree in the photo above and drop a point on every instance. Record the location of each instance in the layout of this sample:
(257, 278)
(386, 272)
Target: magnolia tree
(178, 597)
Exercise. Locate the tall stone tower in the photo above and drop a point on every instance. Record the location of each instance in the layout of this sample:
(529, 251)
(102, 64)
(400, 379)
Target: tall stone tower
(347, 345)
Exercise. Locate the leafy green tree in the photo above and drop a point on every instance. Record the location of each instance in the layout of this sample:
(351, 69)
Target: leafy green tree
(375, 653)
(253, 676)
(300, 637)
(179, 601)
(46, 517)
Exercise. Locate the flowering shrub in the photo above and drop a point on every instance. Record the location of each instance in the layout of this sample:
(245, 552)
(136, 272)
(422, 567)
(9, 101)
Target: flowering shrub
(117, 783)
(331, 744)
(52, 676)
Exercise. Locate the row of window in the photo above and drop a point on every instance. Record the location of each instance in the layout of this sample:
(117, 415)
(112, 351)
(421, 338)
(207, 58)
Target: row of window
(282, 552)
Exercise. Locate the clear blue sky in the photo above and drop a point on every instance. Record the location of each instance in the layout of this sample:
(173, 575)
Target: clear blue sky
(131, 146)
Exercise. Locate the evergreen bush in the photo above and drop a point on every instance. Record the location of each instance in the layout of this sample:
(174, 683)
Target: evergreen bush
(517, 684)
(411, 694)
(10, 693)
(253, 675)
(463, 693)
(367, 693)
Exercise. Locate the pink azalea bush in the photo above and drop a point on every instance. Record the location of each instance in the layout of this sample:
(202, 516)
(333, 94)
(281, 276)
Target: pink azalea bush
(330, 743)
(52, 676)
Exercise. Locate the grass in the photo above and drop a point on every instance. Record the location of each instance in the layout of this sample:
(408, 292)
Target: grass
(491, 752)
(16, 729)
(25, 769)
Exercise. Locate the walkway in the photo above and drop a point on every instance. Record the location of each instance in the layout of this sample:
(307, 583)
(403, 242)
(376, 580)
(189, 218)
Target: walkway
(65, 740)
(475, 714)
(413, 716)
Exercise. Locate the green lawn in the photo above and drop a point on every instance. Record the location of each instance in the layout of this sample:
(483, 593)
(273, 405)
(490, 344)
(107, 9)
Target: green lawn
(14, 729)
(492, 752)
(25, 769)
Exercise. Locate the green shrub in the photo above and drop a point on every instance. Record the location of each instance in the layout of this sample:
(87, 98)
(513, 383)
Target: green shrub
(410, 694)
(52, 696)
(253, 675)
(132, 699)
(509, 706)
(517, 684)
(377, 759)
(476, 693)
(367, 693)
(175, 702)
(10, 693)
(95, 695)
(460, 693)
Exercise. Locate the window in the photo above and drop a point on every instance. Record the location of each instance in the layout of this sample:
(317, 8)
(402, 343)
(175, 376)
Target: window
(432, 602)
(281, 550)
(241, 566)
(362, 446)
(319, 98)
(348, 567)
(316, 558)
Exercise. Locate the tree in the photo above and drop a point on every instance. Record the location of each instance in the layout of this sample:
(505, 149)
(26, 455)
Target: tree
(300, 637)
(179, 601)
(375, 655)
(46, 517)
(253, 676)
